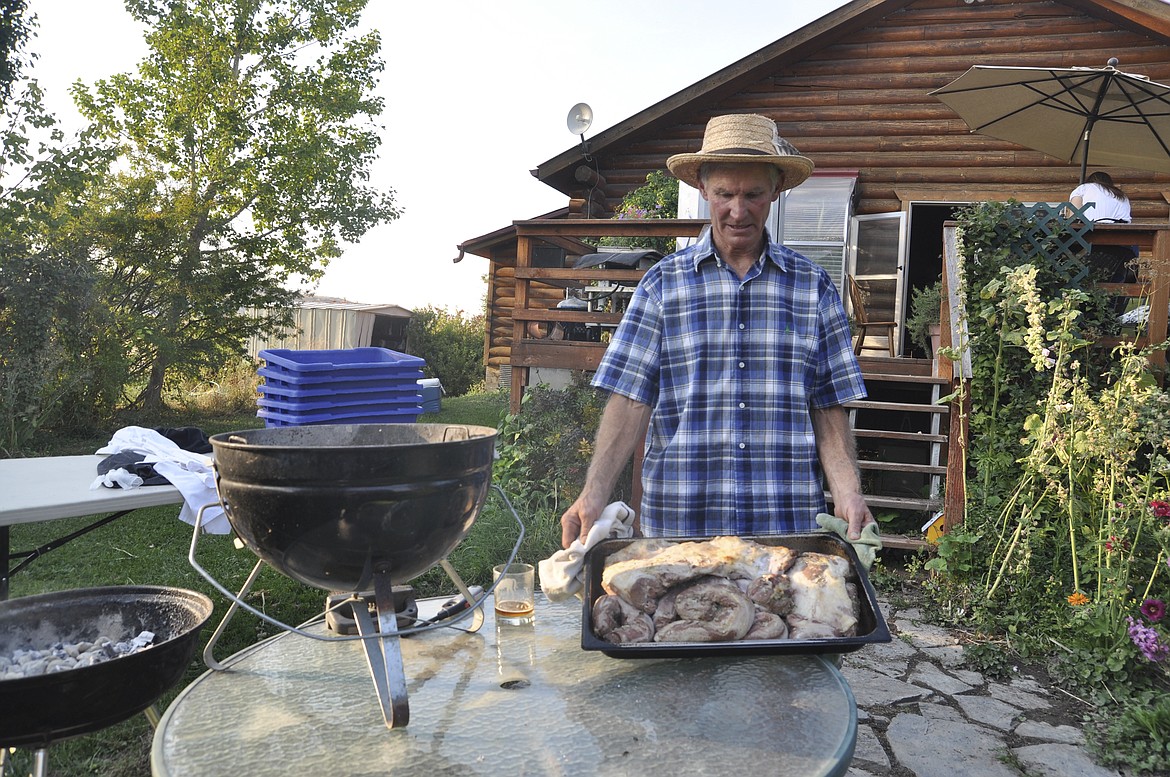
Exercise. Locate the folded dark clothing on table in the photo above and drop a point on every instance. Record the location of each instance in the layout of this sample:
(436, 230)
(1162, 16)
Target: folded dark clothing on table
(189, 438)
(132, 463)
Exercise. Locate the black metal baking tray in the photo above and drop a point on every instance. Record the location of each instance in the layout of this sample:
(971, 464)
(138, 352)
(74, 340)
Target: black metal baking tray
(871, 626)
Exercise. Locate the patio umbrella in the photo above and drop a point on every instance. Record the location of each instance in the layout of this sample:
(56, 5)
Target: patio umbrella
(1059, 110)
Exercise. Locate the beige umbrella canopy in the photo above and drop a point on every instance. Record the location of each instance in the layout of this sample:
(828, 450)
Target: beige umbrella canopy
(1060, 110)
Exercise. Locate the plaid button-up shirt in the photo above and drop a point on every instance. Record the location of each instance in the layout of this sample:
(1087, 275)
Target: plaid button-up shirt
(731, 369)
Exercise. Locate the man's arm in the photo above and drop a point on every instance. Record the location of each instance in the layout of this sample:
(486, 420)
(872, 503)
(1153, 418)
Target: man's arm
(838, 454)
(622, 425)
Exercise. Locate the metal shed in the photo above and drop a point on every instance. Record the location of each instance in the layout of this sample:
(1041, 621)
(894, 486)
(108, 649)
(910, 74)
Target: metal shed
(326, 323)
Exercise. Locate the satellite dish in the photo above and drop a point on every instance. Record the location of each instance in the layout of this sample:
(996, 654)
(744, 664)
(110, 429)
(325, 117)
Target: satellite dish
(580, 118)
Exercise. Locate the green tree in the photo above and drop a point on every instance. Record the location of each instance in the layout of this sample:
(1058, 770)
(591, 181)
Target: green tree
(451, 344)
(247, 135)
(15, 28)
(53, 366)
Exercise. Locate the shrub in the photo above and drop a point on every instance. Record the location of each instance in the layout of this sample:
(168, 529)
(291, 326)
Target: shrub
(452, 344)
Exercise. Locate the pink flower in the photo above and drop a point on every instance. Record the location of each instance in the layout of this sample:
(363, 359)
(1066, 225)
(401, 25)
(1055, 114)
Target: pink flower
(1161, 508)
(1154, 609)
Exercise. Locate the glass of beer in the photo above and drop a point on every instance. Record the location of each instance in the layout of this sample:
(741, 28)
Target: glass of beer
(515, 596)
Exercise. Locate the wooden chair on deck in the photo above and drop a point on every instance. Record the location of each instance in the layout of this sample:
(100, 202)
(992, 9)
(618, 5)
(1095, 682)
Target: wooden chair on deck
(862, 323)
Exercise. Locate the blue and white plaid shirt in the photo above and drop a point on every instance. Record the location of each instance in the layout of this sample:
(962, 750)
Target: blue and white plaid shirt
(731, 369)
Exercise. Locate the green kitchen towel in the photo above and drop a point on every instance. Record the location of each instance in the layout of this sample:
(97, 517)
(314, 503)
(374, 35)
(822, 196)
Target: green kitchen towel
(865, 546)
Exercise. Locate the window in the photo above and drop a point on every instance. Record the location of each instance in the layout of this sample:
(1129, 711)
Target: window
(812, 219)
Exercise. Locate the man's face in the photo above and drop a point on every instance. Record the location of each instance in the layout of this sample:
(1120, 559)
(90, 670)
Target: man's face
(740, 197)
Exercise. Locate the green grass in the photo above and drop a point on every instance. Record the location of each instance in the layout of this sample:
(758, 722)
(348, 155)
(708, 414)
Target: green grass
(149, 547)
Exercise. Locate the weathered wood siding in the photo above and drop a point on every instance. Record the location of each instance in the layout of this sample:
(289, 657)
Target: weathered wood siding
(859, 100)
(502, 300)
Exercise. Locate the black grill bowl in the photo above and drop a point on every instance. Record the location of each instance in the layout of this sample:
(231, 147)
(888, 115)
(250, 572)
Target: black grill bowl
(36, 711)
(328, 505)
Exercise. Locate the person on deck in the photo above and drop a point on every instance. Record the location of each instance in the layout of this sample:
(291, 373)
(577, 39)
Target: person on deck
(735, 358)
(1105, 203)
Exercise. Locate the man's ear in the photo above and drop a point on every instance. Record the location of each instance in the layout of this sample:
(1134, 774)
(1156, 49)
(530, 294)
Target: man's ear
(703, 190)
(779, 188)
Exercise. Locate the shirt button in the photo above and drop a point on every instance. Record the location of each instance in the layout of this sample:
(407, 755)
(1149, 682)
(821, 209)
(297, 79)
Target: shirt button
(741, 365)
(742, 446)
(741, 326)
(742, 405)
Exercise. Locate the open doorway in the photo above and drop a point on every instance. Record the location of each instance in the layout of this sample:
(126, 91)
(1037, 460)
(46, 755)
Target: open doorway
(924, 260)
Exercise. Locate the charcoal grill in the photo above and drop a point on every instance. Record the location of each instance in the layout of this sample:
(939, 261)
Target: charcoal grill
(39, 710)
(359, 509)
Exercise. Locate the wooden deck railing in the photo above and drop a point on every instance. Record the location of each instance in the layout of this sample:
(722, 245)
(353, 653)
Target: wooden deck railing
(529, 352)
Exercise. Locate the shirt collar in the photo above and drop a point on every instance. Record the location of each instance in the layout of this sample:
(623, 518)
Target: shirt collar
(704, 249)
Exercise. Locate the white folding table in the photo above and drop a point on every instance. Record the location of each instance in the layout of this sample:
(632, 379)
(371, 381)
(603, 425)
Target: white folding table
(53, 487)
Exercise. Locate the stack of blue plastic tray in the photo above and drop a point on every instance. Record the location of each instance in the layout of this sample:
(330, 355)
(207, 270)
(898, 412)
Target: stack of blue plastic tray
(352, 386)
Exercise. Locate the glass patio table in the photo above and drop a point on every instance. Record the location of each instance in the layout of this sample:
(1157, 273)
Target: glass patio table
(508, 700)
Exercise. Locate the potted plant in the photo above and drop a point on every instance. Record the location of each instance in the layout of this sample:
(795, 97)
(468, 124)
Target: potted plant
(925, 313)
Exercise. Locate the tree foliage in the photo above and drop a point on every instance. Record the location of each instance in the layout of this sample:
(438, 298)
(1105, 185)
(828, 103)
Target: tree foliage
(452, 346)
(247, 137)
(655, 199)
(15, 29)
(54, 366)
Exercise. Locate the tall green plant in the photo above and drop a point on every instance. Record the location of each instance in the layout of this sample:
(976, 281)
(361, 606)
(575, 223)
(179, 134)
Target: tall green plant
(1067, 534)
(1006, 387)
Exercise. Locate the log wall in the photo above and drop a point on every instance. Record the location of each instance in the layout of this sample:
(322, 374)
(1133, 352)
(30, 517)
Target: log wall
(862, 103)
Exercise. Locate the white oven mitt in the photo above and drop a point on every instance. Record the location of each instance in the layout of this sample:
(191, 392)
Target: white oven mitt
(562, 575)
(190, 473)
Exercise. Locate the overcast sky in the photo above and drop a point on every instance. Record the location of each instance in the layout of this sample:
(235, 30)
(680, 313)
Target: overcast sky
(477, 95)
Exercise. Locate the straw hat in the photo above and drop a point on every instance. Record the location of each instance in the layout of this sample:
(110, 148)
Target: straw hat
(739, 138)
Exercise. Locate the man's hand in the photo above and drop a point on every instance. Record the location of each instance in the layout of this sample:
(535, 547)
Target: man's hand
(854, 510)
(579, 519)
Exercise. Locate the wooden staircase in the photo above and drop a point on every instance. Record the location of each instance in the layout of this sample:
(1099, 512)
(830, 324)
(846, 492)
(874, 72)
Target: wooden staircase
(901, 435)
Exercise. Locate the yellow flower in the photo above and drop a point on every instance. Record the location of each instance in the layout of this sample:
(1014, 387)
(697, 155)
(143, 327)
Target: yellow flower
(1076, 599)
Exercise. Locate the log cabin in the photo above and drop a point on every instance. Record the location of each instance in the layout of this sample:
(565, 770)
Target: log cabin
(852, 92)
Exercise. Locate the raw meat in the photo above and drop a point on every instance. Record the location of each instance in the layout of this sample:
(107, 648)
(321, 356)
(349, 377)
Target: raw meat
(712, 609)
(642, 581)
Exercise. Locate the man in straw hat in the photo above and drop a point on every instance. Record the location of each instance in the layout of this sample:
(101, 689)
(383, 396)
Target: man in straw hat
(736, 354)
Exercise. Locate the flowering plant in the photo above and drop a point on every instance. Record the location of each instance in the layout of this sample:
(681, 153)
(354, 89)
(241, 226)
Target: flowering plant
(1144, 633)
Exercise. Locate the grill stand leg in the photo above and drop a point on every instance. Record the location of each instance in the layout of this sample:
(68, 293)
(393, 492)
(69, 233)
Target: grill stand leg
(40, 762)
(384, 654)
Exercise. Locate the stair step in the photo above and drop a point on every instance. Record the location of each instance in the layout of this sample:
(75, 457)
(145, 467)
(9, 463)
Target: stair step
(885, 434)
(905, 407)
(904, 503)
(900, 542)
(899, 466)
(883, 377)
(898, 502)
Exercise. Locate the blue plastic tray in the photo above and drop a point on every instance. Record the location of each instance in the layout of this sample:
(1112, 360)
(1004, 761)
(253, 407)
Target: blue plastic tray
(373, 378)
(340, 361)
(342, 392)
(277, 418)
(368, 405)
